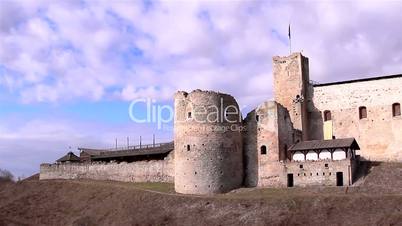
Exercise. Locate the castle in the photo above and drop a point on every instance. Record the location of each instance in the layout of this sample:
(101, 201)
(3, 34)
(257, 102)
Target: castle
(310, 134)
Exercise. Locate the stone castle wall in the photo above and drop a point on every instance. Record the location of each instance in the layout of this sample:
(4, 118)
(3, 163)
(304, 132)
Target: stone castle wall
(380, 134)
(218, 152)
(142, 171)
(320, 172)
(291, 79)
(268, 128)
(250, 150)
(208, 149)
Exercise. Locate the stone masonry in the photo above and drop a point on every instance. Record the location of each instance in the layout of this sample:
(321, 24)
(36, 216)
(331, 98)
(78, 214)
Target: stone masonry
(208, 148)
(216, 151)
(141, 171)
(380, 134)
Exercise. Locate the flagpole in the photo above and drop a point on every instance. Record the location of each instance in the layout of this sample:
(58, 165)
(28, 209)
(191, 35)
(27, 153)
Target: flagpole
(290, 46)
(290, 41)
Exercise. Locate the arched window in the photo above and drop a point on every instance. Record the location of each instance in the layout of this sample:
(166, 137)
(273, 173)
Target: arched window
(189, 115)
(327, 116)
(263, 150)
(188, 147)
(311, 155)
(362, 112)
(339, 154)
(325, 154)
(396, 110)
(298, 156)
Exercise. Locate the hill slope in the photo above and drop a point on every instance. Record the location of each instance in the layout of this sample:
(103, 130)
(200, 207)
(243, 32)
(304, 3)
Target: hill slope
(377, 201)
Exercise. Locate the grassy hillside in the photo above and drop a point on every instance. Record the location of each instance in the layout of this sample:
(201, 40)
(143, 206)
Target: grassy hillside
(377, 201)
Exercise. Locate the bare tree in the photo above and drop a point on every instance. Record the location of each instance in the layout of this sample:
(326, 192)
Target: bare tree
(6, 176)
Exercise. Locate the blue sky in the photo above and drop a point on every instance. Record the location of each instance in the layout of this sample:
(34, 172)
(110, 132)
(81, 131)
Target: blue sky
(69, 69)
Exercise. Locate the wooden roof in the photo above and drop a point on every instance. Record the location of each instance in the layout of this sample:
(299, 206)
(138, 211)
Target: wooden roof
(90, 151)
(69, 157)
(147, 150)
(325, 144)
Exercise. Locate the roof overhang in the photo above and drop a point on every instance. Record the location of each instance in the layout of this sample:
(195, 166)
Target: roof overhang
(325, 144)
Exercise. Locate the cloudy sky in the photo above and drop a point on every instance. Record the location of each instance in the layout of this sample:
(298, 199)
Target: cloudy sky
(69, 69)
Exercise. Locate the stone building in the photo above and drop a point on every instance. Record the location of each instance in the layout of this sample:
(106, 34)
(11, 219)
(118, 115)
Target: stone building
(310, 134)
(208, 151)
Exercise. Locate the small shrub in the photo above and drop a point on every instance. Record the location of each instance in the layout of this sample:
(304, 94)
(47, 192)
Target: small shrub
(6, 176)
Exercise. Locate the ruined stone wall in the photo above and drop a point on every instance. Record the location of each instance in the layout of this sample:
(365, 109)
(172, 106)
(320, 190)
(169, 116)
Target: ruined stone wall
(312, 173)
(142, 171)
(208, 148)
(251, 151)
(380, 134)
(287, 134)
(291, 79)
(268, 126)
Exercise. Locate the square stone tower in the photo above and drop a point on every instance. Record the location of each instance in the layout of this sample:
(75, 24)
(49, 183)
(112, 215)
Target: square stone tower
(291, 84)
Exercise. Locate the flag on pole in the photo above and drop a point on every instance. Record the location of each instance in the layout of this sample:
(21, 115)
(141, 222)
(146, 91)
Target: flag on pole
(290, 41)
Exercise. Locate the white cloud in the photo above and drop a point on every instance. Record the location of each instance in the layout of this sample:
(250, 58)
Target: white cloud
(84, 47)
(131, 93)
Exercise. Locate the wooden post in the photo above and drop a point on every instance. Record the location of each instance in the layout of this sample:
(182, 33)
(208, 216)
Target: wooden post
(140, 142)
(128, 142)
(153, 140)
(116, 142)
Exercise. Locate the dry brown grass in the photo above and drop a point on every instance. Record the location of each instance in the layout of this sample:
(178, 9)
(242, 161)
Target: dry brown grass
(61, 202)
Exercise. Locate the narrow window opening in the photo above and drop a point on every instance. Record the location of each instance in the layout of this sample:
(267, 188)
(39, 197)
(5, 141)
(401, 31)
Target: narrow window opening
(263, 150)
(257, 118)
(396, 110)
(301, 166)
(326, 165)
(362, 112)
(189, 114)
(188, 147)
(327, 116)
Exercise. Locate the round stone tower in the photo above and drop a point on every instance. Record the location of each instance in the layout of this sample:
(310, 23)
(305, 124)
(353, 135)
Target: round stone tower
(208, 143)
